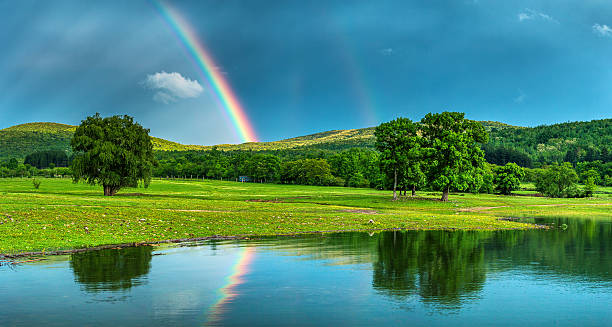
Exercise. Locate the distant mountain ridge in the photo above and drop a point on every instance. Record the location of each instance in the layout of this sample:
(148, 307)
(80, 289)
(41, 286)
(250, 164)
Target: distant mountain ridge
(21, 140)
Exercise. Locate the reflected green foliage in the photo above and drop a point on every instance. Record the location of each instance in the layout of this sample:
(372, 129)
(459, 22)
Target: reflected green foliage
(578, 249)
(441, 267)
(449, 269)
(111, 270)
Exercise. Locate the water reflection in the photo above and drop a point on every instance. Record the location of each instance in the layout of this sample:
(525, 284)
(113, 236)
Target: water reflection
(579, 250)
(426, 277)
(228, 291)
(112, 269)
(441, 267)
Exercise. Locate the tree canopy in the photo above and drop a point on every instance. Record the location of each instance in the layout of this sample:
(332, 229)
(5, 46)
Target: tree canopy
(558, 181)
(400, 151)
(451, 150)
(114, 152)
(508, 178)
(44, 159)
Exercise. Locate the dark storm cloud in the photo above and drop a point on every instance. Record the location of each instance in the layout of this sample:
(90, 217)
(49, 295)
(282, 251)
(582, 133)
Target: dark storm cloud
(307, 66)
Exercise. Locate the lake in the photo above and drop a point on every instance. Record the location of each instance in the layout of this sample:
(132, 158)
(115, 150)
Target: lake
(557, 277)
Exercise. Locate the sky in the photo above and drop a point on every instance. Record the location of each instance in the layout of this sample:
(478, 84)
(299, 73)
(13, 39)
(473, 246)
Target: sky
(301, 67)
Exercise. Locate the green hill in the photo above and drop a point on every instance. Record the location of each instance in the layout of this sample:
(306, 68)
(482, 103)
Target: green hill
(575, 141)
(21, 140)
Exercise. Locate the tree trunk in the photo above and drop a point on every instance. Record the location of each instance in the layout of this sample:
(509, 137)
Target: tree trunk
(395, 185)
(413, 190)
(445, 194)
(110, 190)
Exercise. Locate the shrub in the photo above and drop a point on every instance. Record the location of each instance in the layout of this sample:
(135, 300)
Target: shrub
(357, 180)
(589, 186)
(508, 178)
(558, 181)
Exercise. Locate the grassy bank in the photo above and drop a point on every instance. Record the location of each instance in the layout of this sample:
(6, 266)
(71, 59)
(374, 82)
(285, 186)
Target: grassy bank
(63, 215)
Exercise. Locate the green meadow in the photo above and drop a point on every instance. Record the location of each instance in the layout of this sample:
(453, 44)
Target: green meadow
(61, 215)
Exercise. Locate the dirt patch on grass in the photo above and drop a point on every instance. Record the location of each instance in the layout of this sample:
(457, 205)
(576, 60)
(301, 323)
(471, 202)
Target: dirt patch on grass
(364, 211)
(535, 195)
(518, 220)
(279, 200)
(264, 200)
(132, 194)
(192, 210)
(515, 219)
(476, 209)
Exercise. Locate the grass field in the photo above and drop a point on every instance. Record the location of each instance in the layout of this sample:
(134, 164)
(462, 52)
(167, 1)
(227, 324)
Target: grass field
(63, 215)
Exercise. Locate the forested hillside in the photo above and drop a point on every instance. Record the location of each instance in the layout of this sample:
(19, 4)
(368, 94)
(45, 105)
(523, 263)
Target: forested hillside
(528, 146)
(570, 142)
(22, 140)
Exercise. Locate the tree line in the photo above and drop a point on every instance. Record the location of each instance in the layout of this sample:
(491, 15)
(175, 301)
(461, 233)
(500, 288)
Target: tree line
(13, 168)
(572, 142)
(443, 151)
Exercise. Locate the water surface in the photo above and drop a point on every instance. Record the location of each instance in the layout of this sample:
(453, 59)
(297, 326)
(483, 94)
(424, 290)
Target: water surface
(560, 277)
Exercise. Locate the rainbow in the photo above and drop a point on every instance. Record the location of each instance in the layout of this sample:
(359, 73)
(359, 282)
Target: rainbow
(228, 292)
(206, 65)
(354, 70)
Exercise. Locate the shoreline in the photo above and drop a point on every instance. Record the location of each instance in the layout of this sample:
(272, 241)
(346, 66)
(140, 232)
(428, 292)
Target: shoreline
(64, 218)
(238, 237)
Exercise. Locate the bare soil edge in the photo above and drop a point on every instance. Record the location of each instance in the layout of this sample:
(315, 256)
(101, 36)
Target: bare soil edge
(220, 238)
(476, 209)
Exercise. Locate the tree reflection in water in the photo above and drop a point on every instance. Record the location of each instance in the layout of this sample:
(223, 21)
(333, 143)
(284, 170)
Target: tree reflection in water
(449, 269)
(439, 266)
(112, 269)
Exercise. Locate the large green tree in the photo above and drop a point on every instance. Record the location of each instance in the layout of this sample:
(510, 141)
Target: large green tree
(264, 167)
(400, 151)
(508, 178)
(114, 152)
(558, 181)
(451, 150)
(412, 175)
(309, 172)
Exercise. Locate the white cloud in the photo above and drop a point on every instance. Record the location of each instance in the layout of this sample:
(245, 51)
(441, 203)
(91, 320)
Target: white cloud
(163, 97)
(602, 30)
(387, 51)
(521, 97)
(530, 14)
(172, 86)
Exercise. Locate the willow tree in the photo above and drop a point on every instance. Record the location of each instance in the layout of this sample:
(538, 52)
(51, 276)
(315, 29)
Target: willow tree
(399, 146)
(114, 152)
(451, 150)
